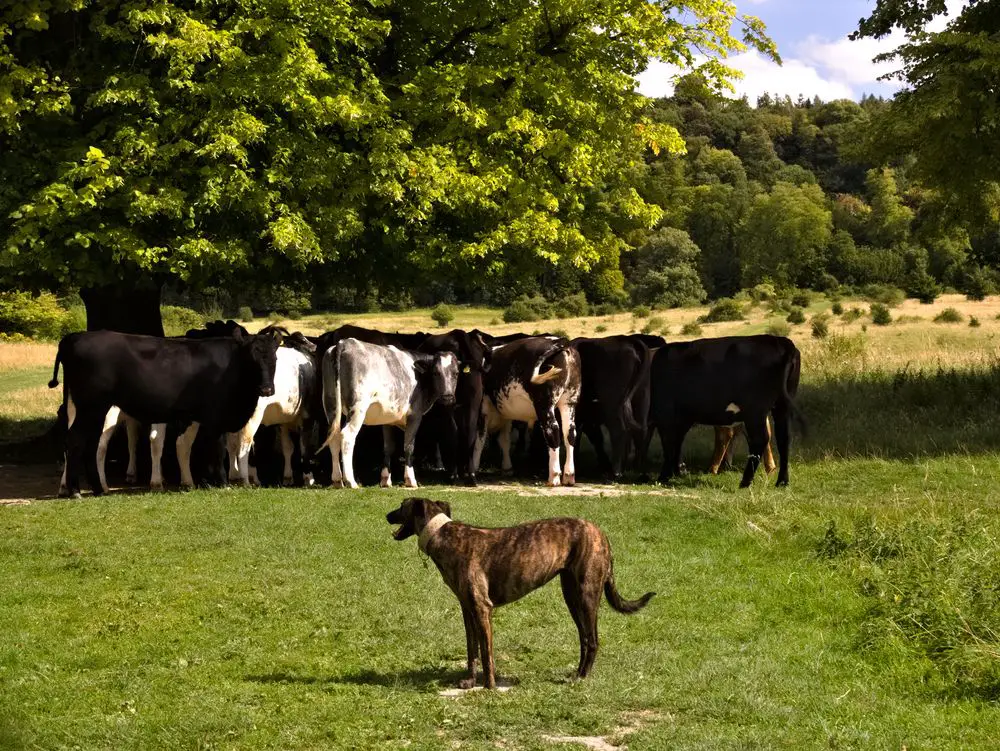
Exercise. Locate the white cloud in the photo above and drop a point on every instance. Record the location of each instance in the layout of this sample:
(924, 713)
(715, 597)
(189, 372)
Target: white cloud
(847, 61)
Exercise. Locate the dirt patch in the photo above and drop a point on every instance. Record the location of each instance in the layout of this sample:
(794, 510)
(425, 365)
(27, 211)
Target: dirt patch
(633, 722)
(581, 489)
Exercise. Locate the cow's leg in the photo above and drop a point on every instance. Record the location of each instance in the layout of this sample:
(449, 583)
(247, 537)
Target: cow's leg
(769, 464)
(336, 447)
(132, 431)
(409, 442)
(723, 445)
(618, 436)
(233, 462)
(503, 438)
(595, 434)
(550, 430)
(756, 430)
(69, 485)
(184, 443)
(567, 416)
(157, 439)
(287, 451)
(782, 436)
(672, 439)
(388, 449)
(348, 438)
(246, 434)
(111, 420)
(482, 434)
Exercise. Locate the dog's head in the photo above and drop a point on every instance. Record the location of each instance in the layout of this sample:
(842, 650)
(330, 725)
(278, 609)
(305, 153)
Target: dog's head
(414, 513)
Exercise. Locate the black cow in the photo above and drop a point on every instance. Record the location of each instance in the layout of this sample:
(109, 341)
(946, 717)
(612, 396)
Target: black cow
(214, 382)
(724, 381)
(615, 372)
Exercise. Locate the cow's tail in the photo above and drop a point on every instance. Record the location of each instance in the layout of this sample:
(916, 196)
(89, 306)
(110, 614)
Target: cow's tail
(331, 375)
(641, 374)
(789, 387)
(55, 369)
(615, 599)
(537, 377)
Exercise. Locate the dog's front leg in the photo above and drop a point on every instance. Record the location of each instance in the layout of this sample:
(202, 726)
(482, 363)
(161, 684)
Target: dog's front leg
(471, 646)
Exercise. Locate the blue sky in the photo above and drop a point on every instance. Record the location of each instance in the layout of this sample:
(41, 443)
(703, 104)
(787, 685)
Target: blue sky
(819, 59)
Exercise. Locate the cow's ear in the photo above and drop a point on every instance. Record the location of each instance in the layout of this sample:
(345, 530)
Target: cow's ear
(422, 366)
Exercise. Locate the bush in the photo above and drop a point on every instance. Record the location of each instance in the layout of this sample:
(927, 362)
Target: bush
(949, 315)
(561, 333)
(605, 309)
(837, 308)
(653, 324)
(853, 315)
(572, 306)
(39, 317)
(801, 299)
(820, 326)
(294, 314)
(974, 322)
(779, 328)
(796, 316)
(245, 313)
(884, 294)
(442, 315)
(880, 314)
(641, 311)
(527, 308)
(920, 285)
(177, 320)
(600, 328)
(763, 292)
(692, 328)
(725, 309)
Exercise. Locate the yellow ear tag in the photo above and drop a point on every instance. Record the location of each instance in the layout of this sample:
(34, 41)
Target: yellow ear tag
(466, 369)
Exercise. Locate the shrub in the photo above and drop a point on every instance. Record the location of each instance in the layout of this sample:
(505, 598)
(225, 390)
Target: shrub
(921, 286)
(725, 309)
(605, 309)
(641, 311)
(442, 315)
(41, 317)
(245, 313)
(779, 328)
(801, 299)
(884, 294)
(974, 322)
(663, 271)
(494, 322)
(949, 315)
(76, 318)
(762, 292)
(293, 314)
(837, 308)
(560, 332)
(692, 328)
(177, 320)
(653, 324)
(880, 314)
(853, 315)
(796, 316)
(527, 308)
(600, 328)
(572, 306)
(820, 326)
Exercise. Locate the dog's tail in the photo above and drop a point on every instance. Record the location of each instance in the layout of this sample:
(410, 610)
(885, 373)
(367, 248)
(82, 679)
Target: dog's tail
(615, 599)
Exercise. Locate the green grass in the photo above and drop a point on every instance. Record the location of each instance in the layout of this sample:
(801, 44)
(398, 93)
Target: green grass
(290, 619)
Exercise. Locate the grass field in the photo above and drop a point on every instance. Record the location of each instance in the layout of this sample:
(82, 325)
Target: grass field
(857, 609)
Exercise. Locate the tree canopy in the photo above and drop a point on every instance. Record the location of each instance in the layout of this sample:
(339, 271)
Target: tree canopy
(188, 138)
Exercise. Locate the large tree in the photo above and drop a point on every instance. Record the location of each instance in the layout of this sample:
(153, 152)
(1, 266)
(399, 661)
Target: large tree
(145, 141)
(948, 116)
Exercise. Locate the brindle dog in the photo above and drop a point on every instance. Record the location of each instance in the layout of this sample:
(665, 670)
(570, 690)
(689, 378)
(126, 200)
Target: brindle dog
(487, 568)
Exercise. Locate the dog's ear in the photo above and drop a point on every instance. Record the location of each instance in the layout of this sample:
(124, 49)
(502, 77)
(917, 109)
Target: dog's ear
(416, 506)
(446, 506)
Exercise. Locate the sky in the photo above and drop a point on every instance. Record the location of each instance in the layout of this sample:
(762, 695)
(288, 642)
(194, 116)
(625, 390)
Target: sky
(818, 58)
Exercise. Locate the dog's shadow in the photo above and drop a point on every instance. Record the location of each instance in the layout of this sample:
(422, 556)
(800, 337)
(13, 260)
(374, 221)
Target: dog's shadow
(425, 679)
(431, 680)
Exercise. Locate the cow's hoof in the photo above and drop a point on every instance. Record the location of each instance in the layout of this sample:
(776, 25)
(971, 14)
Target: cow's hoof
(63, 492)
(336, 484)
(187, 486)
(781, 483)
(287, 482)
(506, 472)
(386, 484)
(409, 484)
(307, 480)
(553, 482)
(470, 481)
(569, 480)
(156, 487)
(76, 495)
(130, 479)
(353, 485)
(466, 683)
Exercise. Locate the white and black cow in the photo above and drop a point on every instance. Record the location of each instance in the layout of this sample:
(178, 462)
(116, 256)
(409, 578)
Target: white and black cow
(370, 384)
(529, 380)
(295, 383)
(212, 382)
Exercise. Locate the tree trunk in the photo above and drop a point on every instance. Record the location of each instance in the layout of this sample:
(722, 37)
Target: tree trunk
(131, 309)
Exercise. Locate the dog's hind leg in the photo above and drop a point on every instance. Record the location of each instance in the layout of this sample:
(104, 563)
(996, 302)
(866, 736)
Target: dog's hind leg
(571, 593)
(482, 617)
(590, 598)
(471, 646)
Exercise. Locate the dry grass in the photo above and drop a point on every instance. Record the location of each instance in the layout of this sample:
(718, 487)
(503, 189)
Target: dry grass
(23, 355)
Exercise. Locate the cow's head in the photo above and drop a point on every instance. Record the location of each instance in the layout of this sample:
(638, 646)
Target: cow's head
(438, 375)
(413, 514)
(262, 351)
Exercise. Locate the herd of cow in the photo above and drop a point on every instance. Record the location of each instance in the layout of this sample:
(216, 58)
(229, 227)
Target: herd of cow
(447, 392)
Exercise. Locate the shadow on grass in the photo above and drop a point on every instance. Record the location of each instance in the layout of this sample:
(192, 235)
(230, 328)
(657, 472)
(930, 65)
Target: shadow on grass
(429, 679)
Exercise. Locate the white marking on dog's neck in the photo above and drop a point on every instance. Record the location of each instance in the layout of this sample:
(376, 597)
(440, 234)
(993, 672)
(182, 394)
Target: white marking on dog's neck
(430, 529)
